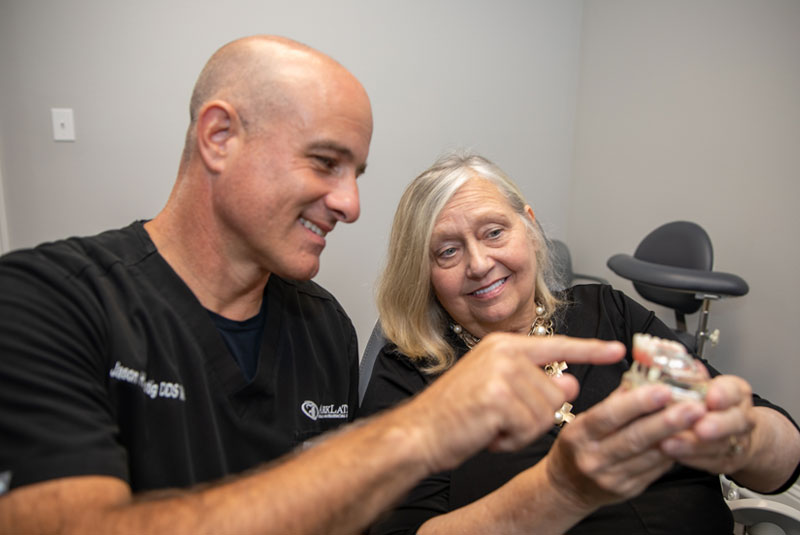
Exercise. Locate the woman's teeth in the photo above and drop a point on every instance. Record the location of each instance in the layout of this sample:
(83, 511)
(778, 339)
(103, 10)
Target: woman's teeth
(490, 288)
(312, 227)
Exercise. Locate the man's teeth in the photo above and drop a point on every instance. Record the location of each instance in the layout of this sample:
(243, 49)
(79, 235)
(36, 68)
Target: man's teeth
(490, 288)
(312, 227)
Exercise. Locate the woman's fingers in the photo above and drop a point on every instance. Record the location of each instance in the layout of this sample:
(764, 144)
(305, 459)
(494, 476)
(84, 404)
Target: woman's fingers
(718, 441)
(611, 452)
(623, 406)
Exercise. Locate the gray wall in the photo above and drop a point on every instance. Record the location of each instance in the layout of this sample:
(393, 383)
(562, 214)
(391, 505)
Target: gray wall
(614, 116)
(499, 78)
(3, 225)
(691, 110)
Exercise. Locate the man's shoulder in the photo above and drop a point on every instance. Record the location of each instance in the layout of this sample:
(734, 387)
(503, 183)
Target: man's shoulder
(307, 296)
(308, 289)
(74, 256)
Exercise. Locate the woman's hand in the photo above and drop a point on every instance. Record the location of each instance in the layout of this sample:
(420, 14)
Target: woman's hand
(612, 451)
(758, 446)
(720, 442)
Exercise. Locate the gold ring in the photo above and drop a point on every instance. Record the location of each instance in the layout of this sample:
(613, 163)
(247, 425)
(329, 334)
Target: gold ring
(734, 446)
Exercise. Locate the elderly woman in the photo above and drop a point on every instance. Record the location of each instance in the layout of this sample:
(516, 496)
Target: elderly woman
(466, 259)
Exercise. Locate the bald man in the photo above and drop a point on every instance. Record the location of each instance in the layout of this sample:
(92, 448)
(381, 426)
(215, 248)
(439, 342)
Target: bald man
(148, 375)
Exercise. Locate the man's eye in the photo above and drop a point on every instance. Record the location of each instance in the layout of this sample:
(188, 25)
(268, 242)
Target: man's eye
(328, 163)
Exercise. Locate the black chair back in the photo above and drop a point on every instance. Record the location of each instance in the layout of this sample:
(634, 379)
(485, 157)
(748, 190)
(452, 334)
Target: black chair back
(681, 244)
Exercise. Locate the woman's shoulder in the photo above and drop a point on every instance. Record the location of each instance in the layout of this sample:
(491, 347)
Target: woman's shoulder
(394, 377)
(600, 311)
(391, 357)
(584, 293)
(587, 297)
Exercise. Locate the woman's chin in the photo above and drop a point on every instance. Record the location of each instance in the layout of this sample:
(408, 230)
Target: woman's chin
(492, 324)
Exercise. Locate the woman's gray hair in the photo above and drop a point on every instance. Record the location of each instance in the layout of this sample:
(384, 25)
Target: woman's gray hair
(411, 316)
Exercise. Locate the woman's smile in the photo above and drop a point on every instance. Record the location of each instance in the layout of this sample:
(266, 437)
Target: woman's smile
(490, 291)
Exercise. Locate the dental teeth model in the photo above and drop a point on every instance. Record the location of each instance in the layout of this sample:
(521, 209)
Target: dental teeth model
(656, 360)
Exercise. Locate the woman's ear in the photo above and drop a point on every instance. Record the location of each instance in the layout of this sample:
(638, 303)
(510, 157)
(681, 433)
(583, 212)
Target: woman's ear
(217, 129)
(529, 211)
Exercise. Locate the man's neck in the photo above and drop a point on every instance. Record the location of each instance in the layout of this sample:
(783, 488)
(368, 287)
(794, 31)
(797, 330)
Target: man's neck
(197, 254)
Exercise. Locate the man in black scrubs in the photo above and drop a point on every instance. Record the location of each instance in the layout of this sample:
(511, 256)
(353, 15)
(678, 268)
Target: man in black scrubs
(193, 348)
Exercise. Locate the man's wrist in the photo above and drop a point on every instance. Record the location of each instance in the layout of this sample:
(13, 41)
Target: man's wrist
(409, 430)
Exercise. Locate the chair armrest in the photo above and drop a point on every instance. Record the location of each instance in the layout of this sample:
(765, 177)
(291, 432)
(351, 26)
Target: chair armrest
(752, 511)
(677, 278)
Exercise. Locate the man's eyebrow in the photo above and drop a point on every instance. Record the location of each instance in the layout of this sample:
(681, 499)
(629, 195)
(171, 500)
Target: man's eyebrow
(343, 152)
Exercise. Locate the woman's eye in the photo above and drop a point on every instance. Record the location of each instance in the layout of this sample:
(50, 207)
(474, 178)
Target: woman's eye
(447, 253)
(494, 233)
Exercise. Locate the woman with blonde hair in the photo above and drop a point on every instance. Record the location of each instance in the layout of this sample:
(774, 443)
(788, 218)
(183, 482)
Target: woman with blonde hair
(466, 259)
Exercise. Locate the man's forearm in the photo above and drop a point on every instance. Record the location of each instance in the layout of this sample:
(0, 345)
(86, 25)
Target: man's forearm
(496, 396)
(338, 486)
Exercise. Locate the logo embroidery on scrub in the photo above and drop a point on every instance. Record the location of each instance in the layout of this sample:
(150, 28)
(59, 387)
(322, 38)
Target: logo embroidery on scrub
(321, 412)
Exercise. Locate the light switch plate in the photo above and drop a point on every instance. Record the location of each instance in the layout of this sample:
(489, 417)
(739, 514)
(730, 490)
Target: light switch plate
(63, 124)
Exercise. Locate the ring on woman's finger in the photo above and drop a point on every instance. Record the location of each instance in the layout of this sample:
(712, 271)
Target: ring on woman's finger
(564, 414)
(734, 446)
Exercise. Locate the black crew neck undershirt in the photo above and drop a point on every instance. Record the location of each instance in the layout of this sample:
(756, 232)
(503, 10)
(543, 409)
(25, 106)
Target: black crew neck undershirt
(243, 338)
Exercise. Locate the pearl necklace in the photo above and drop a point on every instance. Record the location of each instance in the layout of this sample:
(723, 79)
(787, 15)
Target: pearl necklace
(539, 327)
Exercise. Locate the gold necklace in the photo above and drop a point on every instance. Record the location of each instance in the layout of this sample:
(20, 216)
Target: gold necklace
(539, 327)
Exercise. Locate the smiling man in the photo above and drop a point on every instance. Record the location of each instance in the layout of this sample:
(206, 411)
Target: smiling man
(193, 348)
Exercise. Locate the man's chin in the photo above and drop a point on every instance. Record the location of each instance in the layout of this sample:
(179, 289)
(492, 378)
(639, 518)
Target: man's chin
(299, 273)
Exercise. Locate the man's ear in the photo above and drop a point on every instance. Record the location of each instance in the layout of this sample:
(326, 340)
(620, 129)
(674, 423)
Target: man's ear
(218, 129)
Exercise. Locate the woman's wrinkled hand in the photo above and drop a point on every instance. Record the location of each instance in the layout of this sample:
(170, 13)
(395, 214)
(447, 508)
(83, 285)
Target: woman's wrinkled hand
(720, 441)
(612, 451)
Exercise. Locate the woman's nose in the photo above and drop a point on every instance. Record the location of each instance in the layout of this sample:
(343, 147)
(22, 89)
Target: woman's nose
(479, 262)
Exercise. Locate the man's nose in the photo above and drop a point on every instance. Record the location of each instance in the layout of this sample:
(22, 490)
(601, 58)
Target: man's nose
(343, 199)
